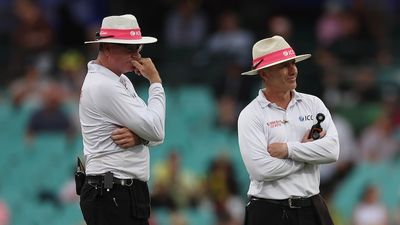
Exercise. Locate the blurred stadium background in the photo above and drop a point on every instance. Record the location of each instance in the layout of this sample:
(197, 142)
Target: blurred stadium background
(197, 175)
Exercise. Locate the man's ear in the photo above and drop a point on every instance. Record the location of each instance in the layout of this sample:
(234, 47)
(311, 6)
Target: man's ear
(263, 74)
(106, 49)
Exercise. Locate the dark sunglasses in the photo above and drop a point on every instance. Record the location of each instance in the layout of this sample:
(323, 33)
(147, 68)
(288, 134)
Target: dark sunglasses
(132, 48)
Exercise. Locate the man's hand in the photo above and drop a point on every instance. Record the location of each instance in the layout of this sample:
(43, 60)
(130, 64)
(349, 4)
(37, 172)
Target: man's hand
(278, 150)
(306, 139)
(146, 68)
(125, 138)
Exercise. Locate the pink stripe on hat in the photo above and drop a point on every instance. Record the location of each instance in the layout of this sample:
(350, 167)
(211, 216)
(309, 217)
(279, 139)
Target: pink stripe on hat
(273, 57)
(130, 34)
(271, 51)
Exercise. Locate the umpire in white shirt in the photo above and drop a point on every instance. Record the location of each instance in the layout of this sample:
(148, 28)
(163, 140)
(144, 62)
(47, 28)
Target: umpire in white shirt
(118, 126)
(281, 159)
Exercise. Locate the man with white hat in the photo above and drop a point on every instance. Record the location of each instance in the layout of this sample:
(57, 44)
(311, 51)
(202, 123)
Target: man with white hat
(118, 126)
(281, 157)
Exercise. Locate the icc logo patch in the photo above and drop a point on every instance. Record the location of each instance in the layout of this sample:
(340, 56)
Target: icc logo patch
(304, 118)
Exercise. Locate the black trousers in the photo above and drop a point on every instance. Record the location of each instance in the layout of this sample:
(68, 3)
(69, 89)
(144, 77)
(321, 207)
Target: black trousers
(262, 212)
(121, 205)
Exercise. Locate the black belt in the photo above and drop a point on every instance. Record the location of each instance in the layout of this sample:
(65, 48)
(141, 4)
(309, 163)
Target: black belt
(294, 202)
(99, 180)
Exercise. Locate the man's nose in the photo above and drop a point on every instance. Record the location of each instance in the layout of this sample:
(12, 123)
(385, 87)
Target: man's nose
(292, 68)
(136, 55)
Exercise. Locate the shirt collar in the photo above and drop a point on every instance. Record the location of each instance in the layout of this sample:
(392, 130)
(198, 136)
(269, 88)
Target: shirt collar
(264, 101)
(96, 68)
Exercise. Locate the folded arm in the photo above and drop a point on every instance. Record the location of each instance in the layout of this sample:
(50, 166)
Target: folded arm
(253, 146)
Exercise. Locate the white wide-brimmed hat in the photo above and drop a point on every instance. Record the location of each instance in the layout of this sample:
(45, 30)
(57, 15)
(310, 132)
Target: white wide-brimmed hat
(272, 51)
(122, 29)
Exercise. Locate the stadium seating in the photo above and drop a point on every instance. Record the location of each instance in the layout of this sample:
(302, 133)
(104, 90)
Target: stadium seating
(48, 162)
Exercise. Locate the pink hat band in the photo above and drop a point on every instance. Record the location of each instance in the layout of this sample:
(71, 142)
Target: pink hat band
(273, 57)
(125, 34)
(272, 51)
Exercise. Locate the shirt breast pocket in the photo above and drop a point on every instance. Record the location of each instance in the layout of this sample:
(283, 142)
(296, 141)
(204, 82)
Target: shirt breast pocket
(275, 132)
(302, 128)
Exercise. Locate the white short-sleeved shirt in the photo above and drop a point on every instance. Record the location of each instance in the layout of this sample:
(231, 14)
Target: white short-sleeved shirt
(262, 123)
(107, 102)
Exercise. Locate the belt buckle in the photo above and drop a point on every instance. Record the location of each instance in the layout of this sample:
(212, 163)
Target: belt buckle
(125, 182)
(291, 202)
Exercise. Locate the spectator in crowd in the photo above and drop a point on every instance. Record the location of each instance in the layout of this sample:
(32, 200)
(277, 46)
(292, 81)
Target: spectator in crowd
(378, 141)
(222, 189)
(230, 39)
(337, 92)
(38, 35)
(71, 64)
(354, 46)
(378, 18)
(232, 93)
(174, 188)
(227, 112)
(80, 18)
(280, 25)
(32, 37)
(185, 26)
(27, 89)
(50, 117)
(370, 210)
(329, 27)
(65, 195)
(185, 29)
(365, 86)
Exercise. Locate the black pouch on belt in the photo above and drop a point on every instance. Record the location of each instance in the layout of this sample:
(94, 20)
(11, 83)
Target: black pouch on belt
(140, 199)
(80, 176)
(322, 210)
